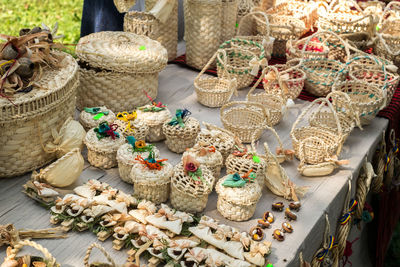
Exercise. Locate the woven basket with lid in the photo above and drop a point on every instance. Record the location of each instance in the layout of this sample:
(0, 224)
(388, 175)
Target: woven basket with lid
(90, 120)
(131, 125)
(116, 67)
(186, 194)
(237, 203)
(155, 120)
(178, 138)
(29, 120)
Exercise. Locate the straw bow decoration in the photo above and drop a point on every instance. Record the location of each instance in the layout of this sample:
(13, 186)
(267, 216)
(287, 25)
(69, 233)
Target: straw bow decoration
(127, 117)
(256, 64)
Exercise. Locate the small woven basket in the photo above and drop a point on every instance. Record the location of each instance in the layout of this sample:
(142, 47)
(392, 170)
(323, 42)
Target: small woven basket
(135, 127)
(89, 120)
(315, 49)
(124, 5)
(152, 185)
(244, 118)
(178, 139)
(126, 159)
(214, 91)
(102, 153)
(155, 121)
(142, 23)
(237, 203)
(186, 194)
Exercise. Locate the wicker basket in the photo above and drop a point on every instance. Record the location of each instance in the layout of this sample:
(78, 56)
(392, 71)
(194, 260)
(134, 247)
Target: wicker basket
(102, 153)
(152, 185)
(128, 124)
(90, 119)
(154, 118)
(208, 23)
(28, 121)
(126, 159)
(115, 69)
(222, 139)
(214, 91)
(315, 49)
(331, 141)
(178, 138)
(142, 23)
(124, 5)
(244, 118)
(186, 194)
(237, 203)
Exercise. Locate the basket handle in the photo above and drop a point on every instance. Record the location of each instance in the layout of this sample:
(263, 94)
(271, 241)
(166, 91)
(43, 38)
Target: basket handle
(89, 251)
(338, 3)
(352, 111)
(387, 9)
(210, 126)
(382, 40)
(18, 246)
(271, 157)
(290, 28)
(248, 104)
(253, 14)
(302, 153)
(253, 138)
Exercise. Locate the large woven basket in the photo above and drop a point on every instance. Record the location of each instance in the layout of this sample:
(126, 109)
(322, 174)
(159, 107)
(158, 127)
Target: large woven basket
(153, 185)
(126, 159)
(188, 196)
(244, 118)
(89, 120)
(237, 203)
(116, 67)
(208, 23)
(178, 138)
(30, 118)
(155, 120)
(331, 141)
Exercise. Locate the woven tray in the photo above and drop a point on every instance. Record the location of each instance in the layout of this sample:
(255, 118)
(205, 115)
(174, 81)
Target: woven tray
(178, 138)
(155, 121)
(88, 122)
(29, 120)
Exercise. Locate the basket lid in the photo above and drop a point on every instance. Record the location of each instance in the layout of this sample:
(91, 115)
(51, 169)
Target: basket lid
(249, 194)
(122, 52)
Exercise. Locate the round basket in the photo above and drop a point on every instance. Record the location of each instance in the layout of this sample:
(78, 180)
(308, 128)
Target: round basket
(186, 194)
(154, 118)
(244, 118)
(30, 118)
(315, 49)
(128, 125)
(126, 159)
(90, 120)
(124, 5)
(222, 139)
(242, 164)
(102, 153)
(237, 203)
(141, 23)
(178, 138)
(116, 67)
(332, 140)
(152, 185)
(214, 91)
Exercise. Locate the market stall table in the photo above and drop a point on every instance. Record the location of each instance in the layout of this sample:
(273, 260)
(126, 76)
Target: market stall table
(325, 194)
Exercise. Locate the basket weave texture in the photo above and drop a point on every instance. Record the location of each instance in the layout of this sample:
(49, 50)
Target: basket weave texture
(87, 121)
(212, 160)
(178, 138)
(155, 121)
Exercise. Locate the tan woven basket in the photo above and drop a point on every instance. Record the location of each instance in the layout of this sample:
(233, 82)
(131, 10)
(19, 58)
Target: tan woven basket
(188, 196)
(116, 67)
(124, 5)
(330, 141)
(88, 120)
(29, 120)
(237, 203)
(214, 91)
(135, 127)
(126, 159)
(294, 49)
(142, 23)
(152, 185)
(222, 139)
(155, 120)
(102, 153)
(178, 138)
(244, 118)
(208, 23)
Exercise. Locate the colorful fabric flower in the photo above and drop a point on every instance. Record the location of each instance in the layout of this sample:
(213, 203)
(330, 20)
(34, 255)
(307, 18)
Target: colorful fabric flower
(235, 180)
(95, 111)
(106, 130)
(180, 117)
(140, 144)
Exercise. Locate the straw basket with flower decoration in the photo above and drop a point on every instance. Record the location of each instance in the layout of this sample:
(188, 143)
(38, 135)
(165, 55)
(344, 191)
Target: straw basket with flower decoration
(129, 124)
(102, 143)
(151, 178)
(91, 117)
(181, 131)
(190, 185)
(238, 196)
(127, 153)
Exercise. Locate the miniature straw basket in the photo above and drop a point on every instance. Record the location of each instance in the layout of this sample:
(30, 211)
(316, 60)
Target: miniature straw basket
(126, 159)
(332, 140)
(102, 153)
(153, 185)
(90, 118)
(155, 120)
(178, 138)
(186, 194)
(244, 118)
(237, 203)
(103, 251)
(141, 23)
(131, 125)
(214, 91)
(124, 5)
(29, 119)
(315, 49)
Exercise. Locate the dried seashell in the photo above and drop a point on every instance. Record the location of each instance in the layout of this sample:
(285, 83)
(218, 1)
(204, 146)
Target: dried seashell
(287, 227)
(295, 206)
(278, 235)
(256, 233)
(9, 52)
(290, 215)
(263, 223)
(278, 206)
(269, 217)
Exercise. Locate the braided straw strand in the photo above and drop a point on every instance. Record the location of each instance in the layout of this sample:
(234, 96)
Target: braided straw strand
(18, 246)
(89, 251)
(315, 262)
(363, 185)
(377, 183)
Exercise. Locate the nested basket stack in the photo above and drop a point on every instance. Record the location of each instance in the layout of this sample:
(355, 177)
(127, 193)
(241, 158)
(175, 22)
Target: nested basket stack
(116, 67)
(154, 117)
(29, 120)
(237, 203)
(187, 194)
(208, 23)
(91, 117)
(129, 124)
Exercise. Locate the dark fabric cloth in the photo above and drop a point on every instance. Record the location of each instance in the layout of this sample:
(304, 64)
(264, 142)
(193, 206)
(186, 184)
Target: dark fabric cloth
(100, 15)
